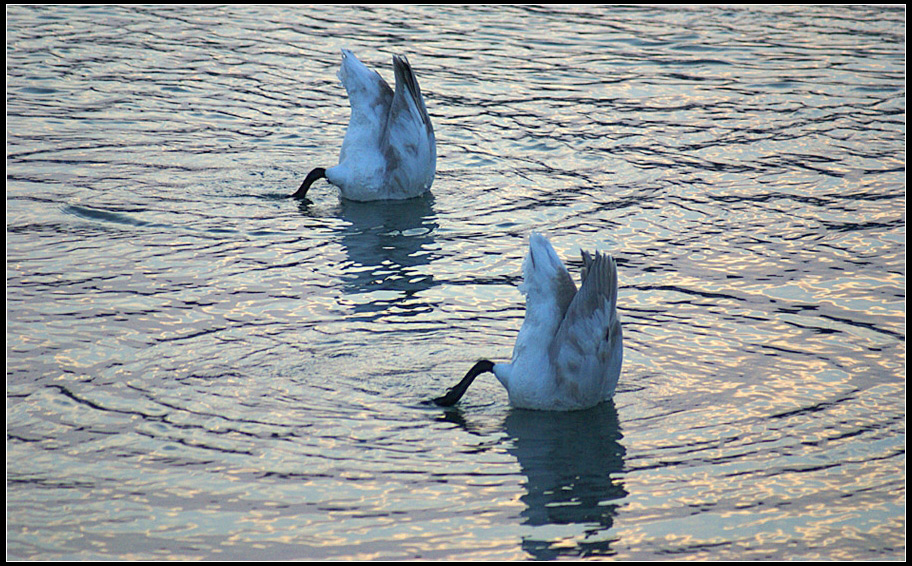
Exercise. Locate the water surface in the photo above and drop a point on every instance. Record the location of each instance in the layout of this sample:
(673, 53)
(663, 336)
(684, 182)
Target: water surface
(201, 368)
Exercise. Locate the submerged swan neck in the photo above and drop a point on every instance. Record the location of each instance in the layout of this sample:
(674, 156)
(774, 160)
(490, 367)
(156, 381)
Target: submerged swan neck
(455, 393)
(317, 173)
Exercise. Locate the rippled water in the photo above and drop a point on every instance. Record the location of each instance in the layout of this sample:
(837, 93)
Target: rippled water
(198, 367)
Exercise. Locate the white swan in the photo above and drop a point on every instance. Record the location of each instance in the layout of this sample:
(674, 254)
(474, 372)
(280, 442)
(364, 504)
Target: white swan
(389, 150)
(569, 350)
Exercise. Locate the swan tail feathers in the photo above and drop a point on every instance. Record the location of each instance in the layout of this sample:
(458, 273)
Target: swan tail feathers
(367, 91)
(544, 275)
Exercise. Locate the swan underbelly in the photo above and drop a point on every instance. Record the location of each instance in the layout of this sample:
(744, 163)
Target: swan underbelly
(370, 178)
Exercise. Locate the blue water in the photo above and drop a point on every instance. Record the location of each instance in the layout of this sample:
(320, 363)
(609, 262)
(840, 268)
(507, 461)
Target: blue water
(201, 368)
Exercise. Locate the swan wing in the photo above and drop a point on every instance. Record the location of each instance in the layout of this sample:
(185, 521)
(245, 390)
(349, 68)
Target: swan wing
(408, 91)
(408, 141)
(587, 347)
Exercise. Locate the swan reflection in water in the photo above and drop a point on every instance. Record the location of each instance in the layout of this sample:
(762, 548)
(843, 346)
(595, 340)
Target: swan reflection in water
(388, 248)
(572, 463)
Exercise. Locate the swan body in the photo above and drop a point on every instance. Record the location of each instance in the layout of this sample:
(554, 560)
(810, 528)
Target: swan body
(389, 150)
(569, 350)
